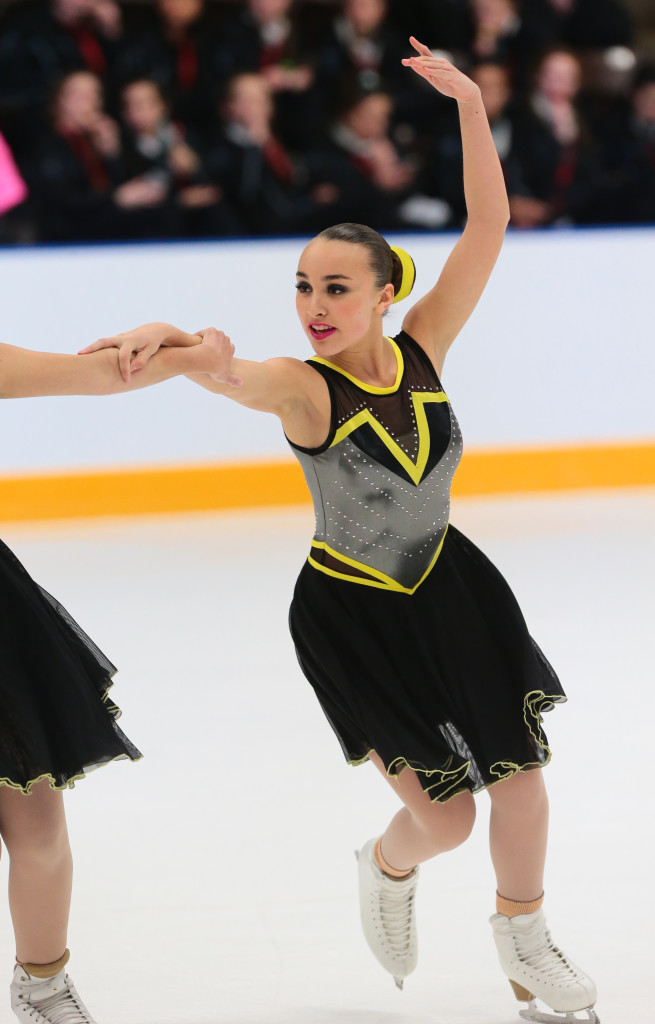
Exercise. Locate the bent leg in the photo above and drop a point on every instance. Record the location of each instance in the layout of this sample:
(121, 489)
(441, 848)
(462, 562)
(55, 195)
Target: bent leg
(40, 871)
(423, 828)
(518, 835)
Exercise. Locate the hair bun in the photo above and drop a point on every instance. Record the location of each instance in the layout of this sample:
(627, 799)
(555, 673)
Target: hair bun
(408, 273)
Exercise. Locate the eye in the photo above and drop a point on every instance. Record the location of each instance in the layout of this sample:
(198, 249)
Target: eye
(302, 286)
(336, 289)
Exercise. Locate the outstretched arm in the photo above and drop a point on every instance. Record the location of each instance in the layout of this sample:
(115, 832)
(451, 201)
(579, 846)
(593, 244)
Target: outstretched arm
(436, 319)
(288, 388)
(28, 374)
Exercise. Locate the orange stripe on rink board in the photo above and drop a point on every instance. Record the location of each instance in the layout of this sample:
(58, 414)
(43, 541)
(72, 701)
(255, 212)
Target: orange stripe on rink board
(508, 471)
(151, 490)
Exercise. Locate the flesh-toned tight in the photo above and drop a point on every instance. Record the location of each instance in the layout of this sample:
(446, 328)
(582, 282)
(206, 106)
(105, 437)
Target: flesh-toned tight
(518, 830)
(34, 831)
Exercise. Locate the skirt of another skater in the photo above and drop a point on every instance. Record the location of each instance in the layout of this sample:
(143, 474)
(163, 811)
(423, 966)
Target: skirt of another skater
(446, 681)
(56, 719)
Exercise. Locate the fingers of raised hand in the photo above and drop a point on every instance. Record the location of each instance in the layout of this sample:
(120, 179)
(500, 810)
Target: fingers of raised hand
(420, 47)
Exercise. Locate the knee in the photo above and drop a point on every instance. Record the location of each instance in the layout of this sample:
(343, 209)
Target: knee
(38, 840)
(524, 792)
(450, 824)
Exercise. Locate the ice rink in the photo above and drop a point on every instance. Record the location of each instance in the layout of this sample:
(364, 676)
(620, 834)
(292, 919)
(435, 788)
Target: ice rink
(216, 881)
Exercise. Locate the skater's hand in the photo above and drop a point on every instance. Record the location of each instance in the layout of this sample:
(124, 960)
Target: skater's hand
(441, 74)
(136, 347)
(220, 352)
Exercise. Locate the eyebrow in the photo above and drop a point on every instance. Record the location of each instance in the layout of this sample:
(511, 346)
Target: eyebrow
(327, 277)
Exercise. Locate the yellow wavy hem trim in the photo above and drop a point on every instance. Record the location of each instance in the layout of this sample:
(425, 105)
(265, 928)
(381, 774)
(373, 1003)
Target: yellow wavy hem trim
(70, 783)
(152, 490)
(532, 707)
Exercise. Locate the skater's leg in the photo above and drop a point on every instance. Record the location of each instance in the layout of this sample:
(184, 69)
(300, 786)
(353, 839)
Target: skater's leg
(40, 871)
(518, 834)
(423, 828)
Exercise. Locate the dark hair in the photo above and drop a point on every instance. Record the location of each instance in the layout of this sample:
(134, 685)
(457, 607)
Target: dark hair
(385, 264)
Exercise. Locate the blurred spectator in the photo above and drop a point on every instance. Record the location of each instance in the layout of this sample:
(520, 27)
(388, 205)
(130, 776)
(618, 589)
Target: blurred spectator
(264, 36)
(77, 178)
(363, 53)
(292, 149)
(13, 193)
(496, 28)
(42, 41)
(373, 176)
(555, 161)
(630, 156)
(155, 149)
(266, 185)
(583, 24)
(443, 174)
(176, 49)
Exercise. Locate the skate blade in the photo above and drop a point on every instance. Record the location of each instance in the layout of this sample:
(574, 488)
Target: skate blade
(533, 1013)
(357, 855)
(399, 982)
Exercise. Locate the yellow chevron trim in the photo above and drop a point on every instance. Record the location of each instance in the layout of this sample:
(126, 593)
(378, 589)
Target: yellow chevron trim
(420, 399)
(381, 580)
(400, 369)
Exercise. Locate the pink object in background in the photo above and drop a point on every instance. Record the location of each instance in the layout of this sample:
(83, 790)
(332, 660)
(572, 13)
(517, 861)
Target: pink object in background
(13, 189)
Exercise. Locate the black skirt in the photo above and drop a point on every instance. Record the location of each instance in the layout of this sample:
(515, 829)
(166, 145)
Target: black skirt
(446, 681)
(57, 721)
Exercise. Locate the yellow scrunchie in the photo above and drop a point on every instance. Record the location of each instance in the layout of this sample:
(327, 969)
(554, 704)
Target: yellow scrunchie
(409, 273)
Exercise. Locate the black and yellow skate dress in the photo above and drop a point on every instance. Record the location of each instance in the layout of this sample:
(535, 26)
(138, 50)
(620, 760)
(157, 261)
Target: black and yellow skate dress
(412, 640)
(57, 720)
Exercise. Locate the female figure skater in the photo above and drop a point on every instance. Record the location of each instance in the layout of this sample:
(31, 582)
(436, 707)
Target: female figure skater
(57, 721)
(412, 640)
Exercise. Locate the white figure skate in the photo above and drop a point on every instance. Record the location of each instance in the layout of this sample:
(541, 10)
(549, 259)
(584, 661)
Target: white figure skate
(536, 968)
(47, 1000)
(388, 918)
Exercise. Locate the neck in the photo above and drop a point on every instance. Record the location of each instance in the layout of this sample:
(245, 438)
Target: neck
(371, 359)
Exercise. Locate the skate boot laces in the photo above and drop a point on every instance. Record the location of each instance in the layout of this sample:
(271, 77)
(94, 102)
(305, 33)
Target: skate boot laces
(396, 906)
(65, 1007)
(535, 947)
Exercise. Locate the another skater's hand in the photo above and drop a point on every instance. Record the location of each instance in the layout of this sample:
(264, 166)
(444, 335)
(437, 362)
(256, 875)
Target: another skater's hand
(441, 74)
(136, 347)
(221, 352)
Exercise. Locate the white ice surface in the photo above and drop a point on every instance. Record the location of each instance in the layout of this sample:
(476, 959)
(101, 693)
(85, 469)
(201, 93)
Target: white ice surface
(215, 880)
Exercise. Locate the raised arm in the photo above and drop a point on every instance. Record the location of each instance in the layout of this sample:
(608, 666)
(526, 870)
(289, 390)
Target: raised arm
(436, 319)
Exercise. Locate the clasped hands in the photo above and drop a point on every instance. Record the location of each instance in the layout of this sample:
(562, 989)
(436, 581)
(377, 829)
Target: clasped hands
(137, 347)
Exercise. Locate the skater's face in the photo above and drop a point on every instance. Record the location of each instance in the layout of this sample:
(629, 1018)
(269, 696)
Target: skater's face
(337, 300)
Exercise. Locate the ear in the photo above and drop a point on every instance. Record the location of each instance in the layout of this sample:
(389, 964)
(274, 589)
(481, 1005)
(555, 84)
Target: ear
(385, 300)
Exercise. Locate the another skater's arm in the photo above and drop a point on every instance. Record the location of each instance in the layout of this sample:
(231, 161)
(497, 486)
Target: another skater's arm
(25, 373)
(436, 319)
